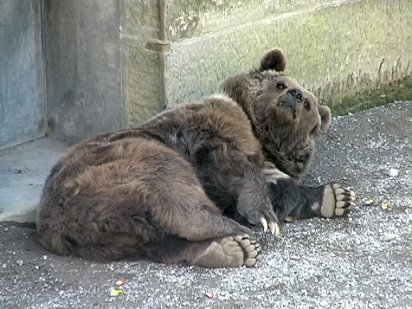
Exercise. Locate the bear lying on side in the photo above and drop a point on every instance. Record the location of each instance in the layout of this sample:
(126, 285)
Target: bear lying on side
(186, 184)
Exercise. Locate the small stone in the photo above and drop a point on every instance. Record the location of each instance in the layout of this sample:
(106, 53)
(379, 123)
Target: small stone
(44, 257)
(393, 172)
(211, 294)
(370, 202)
(19, 262)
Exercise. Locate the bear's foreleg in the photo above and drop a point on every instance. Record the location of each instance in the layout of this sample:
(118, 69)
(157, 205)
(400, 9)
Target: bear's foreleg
(292, 200)
(237, 185)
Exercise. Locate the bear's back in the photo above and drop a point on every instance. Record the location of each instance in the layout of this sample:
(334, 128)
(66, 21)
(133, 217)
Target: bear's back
(213, 121)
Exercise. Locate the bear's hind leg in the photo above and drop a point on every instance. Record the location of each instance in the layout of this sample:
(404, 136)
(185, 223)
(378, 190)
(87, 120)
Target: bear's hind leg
(230, 251)
(195, 231)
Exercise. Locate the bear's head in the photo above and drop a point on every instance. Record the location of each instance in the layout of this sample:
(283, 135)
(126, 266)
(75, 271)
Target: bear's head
(285, 117)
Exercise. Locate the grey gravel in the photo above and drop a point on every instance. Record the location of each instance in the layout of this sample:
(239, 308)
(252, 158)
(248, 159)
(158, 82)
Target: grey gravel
(360, 261)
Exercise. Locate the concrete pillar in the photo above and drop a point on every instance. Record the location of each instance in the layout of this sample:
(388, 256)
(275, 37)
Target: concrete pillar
(84, 78)
(22, 73)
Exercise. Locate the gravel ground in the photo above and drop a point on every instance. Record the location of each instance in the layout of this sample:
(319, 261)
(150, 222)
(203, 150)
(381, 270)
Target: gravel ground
(360, 261)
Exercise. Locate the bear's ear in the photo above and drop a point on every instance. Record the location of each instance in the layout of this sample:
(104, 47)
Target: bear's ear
(274, 59)
(325, 117)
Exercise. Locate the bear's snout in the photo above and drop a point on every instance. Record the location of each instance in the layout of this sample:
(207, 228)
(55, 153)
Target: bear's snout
(294, 97)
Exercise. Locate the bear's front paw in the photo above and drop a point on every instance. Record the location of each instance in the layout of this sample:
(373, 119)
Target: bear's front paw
(259, 211)
(336, 201)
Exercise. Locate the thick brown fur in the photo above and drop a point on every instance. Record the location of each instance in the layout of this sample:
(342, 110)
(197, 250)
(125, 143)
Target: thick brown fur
(126, 193)
(286, 118)
(176, 188)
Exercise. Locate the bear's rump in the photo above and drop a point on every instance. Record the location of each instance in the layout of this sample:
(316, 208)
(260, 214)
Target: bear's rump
(110, 202)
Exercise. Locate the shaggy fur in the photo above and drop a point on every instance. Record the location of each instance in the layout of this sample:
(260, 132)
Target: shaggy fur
(177, 188)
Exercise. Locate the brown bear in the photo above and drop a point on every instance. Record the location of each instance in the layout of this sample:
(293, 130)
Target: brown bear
(286, 118)
(185, 185)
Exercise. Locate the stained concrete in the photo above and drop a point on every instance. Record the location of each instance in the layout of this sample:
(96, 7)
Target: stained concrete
(22, 71)
(23, 171)
(142, 52)
(164, 53)
(335, 48)
(84, 82)
(359, 261)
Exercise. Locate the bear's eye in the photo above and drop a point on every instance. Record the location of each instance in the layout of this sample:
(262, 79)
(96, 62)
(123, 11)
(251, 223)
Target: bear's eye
(306, 104)
(280, 86)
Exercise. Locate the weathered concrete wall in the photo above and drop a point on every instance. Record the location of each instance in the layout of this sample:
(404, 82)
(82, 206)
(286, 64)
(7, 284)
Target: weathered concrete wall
(105, 69)
(142, 32)
(22, 94)
(336, 48)
(114, 63)
(168, 52)
(84, 82)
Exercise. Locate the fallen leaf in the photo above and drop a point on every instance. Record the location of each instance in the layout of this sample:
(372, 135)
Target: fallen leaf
(114, 292)
(386, 205)
(211, 295)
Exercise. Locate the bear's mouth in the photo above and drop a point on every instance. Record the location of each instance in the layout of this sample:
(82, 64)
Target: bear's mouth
(289, 106)
(315, 129)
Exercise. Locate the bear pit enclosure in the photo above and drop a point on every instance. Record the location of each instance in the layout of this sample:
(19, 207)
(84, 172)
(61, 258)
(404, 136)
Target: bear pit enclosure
(360, 261)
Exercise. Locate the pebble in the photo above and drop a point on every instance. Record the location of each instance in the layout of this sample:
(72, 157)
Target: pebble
(19, 262)
(393, 172)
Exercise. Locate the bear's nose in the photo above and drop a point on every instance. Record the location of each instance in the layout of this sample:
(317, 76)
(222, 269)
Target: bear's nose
(295, 94)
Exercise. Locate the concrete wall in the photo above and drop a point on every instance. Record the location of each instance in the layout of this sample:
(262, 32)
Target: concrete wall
(84, 80)
(22, 91)
(339, 49)
(142, 44)
(114, 63)
(103, 65)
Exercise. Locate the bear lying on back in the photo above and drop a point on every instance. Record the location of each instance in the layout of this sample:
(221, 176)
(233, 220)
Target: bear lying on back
(186, 185)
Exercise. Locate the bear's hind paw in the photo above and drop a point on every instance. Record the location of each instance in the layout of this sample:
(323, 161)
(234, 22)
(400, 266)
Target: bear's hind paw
(231, 251)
